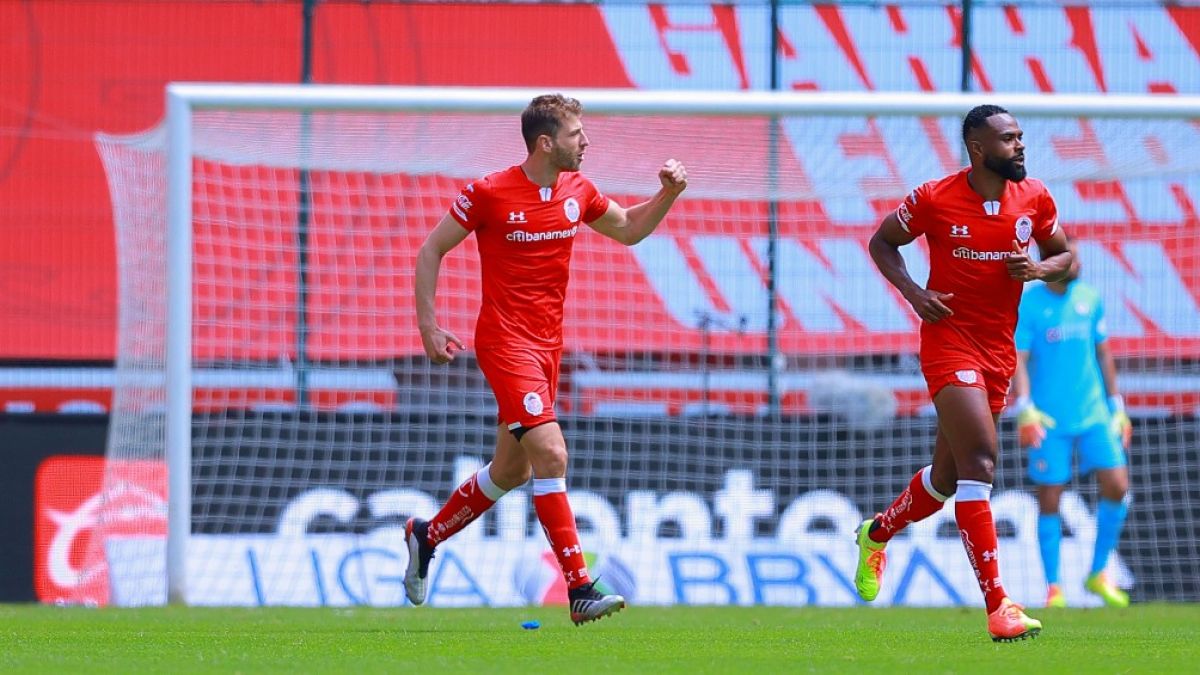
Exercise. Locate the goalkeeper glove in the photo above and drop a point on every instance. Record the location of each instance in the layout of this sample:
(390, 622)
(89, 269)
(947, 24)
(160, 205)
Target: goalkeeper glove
(1121, 425)
(1032, 424)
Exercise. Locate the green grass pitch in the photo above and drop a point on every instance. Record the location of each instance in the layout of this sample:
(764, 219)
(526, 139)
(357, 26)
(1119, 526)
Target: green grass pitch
(761, 640)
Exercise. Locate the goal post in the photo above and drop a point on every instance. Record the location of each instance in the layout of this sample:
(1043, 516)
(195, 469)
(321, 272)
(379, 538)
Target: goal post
(393, 157)
(179, 341)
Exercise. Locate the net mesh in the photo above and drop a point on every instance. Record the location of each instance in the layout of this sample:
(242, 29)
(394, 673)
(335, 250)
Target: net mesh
(319, 426)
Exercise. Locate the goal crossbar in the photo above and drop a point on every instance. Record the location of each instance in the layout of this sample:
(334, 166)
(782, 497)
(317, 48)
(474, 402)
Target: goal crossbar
(671, 102)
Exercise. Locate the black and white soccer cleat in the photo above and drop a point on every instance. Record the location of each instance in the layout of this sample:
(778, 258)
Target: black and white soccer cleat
(420, 552)
(588, 604)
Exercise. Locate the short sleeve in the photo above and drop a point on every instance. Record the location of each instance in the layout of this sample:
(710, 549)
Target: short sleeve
(1023, 337)
(467, 207)
(595, 204)
(1047, 222)
(1099, 323)
(913, 212)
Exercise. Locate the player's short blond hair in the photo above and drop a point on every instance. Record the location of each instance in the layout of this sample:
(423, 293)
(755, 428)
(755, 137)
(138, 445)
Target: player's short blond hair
(545, 114)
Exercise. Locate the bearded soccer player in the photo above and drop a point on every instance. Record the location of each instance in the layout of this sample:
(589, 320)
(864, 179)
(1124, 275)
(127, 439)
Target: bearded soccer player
(525, 219)
(1067, 402)
(979, 224)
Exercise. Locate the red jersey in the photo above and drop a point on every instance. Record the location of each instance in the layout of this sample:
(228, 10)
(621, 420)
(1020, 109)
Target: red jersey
(525, 234)
(969, 239)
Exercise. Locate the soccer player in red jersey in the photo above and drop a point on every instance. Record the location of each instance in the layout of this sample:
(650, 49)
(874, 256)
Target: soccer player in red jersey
(979, 223)
(525, 219)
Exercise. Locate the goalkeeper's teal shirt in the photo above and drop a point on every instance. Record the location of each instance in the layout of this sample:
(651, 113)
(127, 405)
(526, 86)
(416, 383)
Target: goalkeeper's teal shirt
(1061, 332)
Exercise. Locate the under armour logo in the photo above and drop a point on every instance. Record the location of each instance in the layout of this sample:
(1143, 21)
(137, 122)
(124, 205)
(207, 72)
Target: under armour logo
(989, 556)
(568, 550)
(516, 217)
(959, 231)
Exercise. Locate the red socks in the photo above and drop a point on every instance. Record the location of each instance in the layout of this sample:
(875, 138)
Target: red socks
(477, 494)
(558, 522)
(917, 502)
(973, 512)
(468, 502)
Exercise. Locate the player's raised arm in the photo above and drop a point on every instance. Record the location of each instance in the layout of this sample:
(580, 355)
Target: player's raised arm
(439, 344)
(629, 226)
(885, 251)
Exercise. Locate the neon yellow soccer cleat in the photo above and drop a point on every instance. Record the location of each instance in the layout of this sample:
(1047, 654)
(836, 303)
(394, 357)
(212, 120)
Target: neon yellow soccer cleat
(1009, 623)
(871, 561)
(1112, 596)
(1055, 597)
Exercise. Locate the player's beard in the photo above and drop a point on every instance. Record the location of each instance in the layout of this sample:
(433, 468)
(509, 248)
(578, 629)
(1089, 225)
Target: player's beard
(565, 159)
(1005, 168)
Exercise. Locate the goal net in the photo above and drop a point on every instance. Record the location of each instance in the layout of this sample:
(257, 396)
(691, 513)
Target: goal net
(721, 452)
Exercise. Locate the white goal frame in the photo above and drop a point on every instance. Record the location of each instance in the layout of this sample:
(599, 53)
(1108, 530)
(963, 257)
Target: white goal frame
(184, 98)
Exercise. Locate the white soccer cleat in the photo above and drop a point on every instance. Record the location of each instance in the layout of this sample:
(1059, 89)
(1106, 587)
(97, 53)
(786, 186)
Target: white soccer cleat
(420, 552)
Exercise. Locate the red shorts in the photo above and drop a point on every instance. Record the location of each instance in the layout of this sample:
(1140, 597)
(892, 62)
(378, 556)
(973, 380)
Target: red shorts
(525, 383)
(963, 371)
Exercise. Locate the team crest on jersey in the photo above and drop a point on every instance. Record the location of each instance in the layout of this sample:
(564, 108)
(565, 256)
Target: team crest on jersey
(1081, 308)
(967, 376)
(571, 207)
(533, 403)
(1024, 229)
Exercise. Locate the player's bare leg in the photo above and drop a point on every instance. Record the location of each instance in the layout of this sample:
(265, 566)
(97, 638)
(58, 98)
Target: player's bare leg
(1110, 518)
(547, 451)
(924, 496)
(1050, 541)
(508, 469)
(943, 475)
(970, 427)
(510, 464)
(1113, 483)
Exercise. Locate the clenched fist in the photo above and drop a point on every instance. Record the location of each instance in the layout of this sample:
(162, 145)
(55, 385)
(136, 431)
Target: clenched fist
(673, 175)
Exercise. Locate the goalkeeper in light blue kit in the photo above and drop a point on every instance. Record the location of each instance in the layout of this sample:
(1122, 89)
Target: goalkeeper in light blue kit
(1067, 402)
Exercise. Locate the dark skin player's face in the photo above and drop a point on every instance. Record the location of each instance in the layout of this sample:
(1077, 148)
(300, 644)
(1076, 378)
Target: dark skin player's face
(999, 145)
